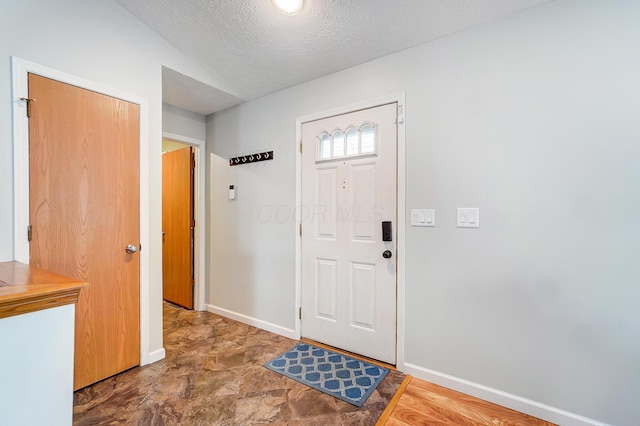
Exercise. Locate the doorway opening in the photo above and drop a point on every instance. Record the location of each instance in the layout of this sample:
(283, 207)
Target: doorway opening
(178, 223)
(187, 266)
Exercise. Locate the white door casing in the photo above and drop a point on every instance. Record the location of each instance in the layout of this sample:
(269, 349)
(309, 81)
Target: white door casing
(348, 290)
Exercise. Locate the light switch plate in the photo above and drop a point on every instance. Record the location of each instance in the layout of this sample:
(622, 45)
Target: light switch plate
(468, 217)
(423, 217)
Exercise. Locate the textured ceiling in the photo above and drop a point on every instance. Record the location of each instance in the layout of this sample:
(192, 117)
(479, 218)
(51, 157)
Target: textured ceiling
(252, 50)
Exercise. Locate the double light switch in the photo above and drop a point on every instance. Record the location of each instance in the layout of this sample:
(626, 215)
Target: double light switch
(468, 217)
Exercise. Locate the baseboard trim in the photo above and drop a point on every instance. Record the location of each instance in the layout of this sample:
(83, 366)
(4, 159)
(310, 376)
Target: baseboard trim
(156, 355)
(524, 405)
(273, 328)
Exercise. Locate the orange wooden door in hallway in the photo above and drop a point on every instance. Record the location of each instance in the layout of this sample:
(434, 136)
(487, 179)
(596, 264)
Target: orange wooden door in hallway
(178, 226)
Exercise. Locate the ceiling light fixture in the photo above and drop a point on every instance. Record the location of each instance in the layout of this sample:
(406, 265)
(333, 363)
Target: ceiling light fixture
(288, 7)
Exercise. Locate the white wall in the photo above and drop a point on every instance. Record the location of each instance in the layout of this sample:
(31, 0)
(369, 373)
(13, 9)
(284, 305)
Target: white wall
(535, 119)
(99, 41)
(36, 368)
(184, 123)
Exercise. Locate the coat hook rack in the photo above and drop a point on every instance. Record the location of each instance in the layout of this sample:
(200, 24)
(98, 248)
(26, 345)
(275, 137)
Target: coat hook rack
(251, 158)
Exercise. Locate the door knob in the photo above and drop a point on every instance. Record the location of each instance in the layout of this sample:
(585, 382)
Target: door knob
(387, 254)
(131, 248)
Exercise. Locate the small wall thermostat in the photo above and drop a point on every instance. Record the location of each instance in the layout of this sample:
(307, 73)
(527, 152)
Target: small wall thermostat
(232, 192)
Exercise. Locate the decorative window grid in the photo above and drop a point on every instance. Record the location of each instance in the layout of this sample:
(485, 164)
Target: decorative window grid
(351, 142)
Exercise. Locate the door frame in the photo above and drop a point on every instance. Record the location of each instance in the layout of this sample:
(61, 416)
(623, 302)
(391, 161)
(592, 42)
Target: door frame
(20, 70)
(398, 98)
(199, 246)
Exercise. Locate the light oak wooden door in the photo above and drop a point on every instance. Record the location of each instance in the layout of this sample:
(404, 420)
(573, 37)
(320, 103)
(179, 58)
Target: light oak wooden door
(177, 226)
(84, 211)
(349, 190)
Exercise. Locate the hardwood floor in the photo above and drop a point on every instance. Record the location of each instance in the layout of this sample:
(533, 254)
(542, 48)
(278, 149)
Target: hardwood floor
(422, 403)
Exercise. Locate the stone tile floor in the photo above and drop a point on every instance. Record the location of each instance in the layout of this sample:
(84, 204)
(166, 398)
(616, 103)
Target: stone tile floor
(213, 375)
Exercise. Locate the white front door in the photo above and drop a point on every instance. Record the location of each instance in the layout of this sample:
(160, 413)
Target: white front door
(349, 189)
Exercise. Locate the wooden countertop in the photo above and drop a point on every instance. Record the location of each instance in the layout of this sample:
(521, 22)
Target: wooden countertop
(24, 288)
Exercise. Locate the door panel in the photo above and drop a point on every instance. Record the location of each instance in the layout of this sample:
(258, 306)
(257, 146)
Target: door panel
(327, 197)
(177, 225)
(348, 288)
(84, 211)
(363, 295)
(363, 177)
(326, 288)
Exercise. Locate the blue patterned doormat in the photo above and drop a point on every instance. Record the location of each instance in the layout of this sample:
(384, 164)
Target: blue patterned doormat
(338, 375)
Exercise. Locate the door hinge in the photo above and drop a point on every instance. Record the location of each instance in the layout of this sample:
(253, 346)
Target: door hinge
(301, 230)
(301, 147)
(300, 313)
(29, 234)
(28, 101)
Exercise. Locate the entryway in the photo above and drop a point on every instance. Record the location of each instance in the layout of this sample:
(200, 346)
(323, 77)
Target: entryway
(349, 229)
